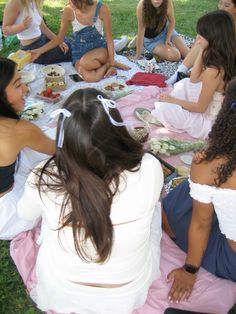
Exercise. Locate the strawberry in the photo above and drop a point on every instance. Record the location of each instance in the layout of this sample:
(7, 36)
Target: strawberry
(49, 91)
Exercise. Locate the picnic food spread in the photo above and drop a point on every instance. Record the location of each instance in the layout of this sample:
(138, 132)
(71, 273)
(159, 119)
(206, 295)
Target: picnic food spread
(114, 87)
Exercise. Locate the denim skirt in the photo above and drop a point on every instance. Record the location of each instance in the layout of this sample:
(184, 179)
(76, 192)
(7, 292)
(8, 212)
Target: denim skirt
(151, 43)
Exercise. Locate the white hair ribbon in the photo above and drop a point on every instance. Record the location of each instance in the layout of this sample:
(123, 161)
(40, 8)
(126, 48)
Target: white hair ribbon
(107, 104)
(66, 114)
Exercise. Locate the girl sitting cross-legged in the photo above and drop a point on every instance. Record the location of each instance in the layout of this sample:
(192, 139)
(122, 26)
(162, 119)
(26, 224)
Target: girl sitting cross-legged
(92, 54)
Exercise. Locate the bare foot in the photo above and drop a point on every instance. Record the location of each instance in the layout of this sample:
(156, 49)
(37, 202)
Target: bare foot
(121, 66)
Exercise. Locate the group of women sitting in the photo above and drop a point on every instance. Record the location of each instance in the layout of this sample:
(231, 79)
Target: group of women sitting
(96, 196)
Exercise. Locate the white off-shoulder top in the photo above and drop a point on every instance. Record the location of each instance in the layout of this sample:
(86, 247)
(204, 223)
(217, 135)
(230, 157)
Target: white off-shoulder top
(224, 201)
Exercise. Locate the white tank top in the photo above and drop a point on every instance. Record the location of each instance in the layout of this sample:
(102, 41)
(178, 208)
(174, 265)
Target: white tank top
(34, 30)
(97, 22)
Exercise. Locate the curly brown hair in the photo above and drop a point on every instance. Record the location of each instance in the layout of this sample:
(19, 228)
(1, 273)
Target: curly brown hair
(222, 138)
(154, 18)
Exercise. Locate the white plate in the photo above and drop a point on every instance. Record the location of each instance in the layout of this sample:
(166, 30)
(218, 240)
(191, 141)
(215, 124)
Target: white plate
(53, 70)
(27, 76)
(187, 159)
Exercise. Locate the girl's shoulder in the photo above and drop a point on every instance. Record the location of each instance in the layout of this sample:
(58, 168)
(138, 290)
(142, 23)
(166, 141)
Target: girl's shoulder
(68, 12)
(205, 172)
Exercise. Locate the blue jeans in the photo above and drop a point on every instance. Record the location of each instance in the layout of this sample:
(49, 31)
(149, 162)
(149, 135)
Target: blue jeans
(54, 55)
(85, 40)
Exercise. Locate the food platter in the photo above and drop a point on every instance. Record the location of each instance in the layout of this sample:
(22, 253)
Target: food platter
(116, 89)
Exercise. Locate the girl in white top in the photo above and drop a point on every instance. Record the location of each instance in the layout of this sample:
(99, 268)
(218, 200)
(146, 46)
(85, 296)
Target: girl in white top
(97, 198)
(24, 18)
(194, 109)
(188, 62)
(15, 135)
(92, 55)
(205, 226)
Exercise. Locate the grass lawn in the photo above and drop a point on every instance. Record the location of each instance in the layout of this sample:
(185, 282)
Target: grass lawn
(13, 298)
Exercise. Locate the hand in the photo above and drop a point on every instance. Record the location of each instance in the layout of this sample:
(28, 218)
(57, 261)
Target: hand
(27, 22)
(182, 285)
(111, 71)
(64, 47)
(35, 54)
(166, 98)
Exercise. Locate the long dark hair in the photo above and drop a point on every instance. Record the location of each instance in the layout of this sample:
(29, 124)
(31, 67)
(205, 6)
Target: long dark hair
(7, 71)
(80, 4)
(89, 165)
(154, 18)
(220, 52)
(222, 138)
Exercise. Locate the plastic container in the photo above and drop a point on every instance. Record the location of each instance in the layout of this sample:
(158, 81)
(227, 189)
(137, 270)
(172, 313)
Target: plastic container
(149, 64)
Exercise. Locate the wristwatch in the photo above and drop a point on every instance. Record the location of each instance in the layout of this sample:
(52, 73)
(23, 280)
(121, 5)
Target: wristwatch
(191, 268)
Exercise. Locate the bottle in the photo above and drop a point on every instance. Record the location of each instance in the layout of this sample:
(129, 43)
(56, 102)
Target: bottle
(149, 65)
(1, 39)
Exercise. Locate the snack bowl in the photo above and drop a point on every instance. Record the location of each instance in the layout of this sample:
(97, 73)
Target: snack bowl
(53, 71)
(139, 130)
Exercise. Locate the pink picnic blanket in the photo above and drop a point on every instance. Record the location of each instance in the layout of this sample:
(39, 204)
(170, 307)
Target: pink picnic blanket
(145, 98)
(210, 294)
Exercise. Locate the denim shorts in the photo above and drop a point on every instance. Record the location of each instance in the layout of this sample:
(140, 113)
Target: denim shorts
(85, 40)
(151, 43)
(54, 55)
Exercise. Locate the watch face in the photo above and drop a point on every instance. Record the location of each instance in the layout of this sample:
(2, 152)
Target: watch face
(191, 268)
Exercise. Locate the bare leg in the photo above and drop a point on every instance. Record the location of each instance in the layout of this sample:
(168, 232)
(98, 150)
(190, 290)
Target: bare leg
(168, 53)
(181, 46)
(165, 225)
(93, 65)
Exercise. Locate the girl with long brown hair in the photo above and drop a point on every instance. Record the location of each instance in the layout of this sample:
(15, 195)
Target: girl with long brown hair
(156, 31)
(97, 196)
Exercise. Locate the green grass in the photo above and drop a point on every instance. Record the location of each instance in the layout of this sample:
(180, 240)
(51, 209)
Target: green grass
(13, 297)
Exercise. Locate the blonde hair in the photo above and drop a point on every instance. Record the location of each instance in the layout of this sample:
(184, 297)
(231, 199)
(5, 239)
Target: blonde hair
(39, 4)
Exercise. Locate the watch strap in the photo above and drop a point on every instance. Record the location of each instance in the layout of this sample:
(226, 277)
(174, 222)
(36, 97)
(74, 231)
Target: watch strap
(191, 268)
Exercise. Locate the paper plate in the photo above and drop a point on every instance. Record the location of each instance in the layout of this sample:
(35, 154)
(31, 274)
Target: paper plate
(27, 76)
(187, 159)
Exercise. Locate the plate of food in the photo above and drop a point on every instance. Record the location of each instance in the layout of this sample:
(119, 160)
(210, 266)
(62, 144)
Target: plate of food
(114, 86)
(49, 96)
(27, 76)
(116, 89)
(53, 71)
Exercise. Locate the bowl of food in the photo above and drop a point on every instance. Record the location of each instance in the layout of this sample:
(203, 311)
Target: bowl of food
(139, 131)
(53, 71)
